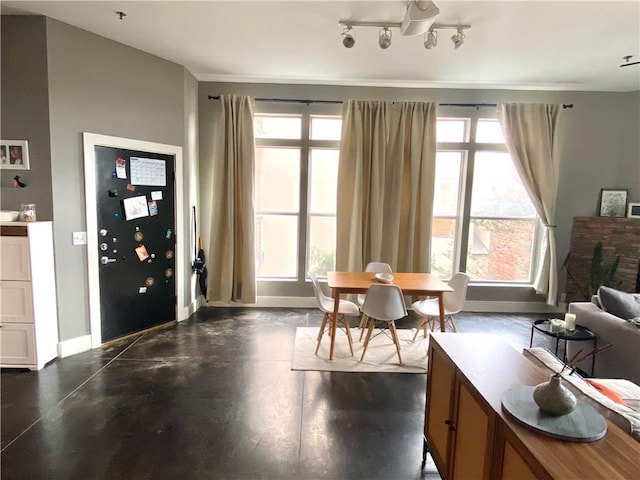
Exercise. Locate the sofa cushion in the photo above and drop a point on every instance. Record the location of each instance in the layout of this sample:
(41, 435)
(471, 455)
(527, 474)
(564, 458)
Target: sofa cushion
(621, 304)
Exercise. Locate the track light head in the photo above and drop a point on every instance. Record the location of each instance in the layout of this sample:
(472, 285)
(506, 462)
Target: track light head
(347, 38)
(384, 39)
(458, 39)
(431, 40)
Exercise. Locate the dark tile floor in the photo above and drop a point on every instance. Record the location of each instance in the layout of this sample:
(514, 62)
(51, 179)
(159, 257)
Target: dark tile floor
(215, 397)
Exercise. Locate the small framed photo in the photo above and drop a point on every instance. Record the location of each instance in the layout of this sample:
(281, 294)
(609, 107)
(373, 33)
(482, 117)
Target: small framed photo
(633, 211)
(613, 202)
(14, 155)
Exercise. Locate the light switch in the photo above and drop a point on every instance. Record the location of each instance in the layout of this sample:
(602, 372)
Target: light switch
(79, 238)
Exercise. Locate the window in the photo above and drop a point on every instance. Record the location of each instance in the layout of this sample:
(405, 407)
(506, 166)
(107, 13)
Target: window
(484, 222)
(296, 178)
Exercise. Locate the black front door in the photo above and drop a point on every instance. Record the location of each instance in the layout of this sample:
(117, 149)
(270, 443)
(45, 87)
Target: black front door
(135, 207)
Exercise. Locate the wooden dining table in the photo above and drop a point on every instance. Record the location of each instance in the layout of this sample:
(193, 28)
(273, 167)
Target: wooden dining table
(415, 284)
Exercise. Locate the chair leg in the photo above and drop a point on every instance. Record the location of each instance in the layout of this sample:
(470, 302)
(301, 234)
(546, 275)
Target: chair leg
(452, 323)
(363, 322)
(396, 340)
(423, 323)
(321, 332)
(347, 327)
(368, 337)
(363, 325)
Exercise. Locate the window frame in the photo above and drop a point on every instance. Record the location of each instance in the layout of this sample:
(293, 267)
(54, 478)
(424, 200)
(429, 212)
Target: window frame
(290, 286)
(463, 225)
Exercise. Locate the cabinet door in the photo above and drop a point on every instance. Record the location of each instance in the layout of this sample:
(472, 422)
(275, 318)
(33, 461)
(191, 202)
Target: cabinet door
(17, 345)
(471, 458)
(14, 258)
(16, 302)
(513, 465)
(438, 408)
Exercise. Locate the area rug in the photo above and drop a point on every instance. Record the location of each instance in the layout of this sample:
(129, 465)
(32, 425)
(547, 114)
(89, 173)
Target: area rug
(381, 354)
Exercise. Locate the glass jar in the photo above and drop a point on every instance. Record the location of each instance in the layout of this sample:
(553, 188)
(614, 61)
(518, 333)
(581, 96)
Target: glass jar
(28, 212)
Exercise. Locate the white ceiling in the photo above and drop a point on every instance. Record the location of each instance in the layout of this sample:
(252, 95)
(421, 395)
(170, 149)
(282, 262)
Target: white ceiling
(555, 45)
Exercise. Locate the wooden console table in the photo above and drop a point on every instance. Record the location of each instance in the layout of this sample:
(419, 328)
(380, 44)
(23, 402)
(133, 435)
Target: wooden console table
(469, 436)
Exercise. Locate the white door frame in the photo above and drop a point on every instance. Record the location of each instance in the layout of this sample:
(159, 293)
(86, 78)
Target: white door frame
(90, 141)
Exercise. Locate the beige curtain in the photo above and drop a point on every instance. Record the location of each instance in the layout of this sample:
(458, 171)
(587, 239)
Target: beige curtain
(230, 256)
(411, 170)
(385, 185)
(530, 131)
(361, 178)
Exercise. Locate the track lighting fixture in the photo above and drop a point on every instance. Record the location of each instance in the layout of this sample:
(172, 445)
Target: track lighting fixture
(431, 39)
(347, 37)
(458, 38)
(384, 38)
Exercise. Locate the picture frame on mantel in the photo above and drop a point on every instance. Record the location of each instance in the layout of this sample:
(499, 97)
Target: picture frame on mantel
(633, 210)
(14, 155)
(613, 202)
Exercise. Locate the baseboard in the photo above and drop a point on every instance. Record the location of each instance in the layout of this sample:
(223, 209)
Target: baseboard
(185, 312)
(470, 305)
(511, 307)
(74, 346)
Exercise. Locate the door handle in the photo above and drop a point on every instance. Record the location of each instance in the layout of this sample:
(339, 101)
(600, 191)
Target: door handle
(105, 260)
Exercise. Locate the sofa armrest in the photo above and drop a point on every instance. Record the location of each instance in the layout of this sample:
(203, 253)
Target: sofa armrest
(619, 361)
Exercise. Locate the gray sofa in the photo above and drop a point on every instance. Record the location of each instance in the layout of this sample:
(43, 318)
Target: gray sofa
(620, 361)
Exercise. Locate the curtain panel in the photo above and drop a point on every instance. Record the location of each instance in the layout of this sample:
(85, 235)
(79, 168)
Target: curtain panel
(385, 185)
(228, 203)
(530, 131)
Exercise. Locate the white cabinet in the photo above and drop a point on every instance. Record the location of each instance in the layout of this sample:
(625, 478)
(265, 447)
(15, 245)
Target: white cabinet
(28, 309)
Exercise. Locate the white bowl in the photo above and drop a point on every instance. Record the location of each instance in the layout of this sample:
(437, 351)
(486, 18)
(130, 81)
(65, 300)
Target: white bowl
(9, 216)
(384, 277)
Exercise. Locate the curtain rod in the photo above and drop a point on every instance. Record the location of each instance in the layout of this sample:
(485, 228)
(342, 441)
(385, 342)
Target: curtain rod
(287, 100)
(337, 102)
(478, 105)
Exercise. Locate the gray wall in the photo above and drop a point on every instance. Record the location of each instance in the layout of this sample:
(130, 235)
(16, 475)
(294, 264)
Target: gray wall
(599, 144)
(99, 86)
(67, 81)
(190, 180)
(25, 112)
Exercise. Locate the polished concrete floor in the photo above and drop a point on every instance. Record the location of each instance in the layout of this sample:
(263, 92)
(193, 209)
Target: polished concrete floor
(215, 397)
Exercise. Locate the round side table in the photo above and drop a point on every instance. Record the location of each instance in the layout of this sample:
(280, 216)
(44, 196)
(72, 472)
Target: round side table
(580, 334)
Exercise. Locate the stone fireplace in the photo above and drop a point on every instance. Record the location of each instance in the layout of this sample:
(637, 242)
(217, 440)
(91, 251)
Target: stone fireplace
(619, 236)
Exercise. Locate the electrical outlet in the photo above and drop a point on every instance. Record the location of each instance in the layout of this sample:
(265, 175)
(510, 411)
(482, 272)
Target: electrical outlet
(79, 238)
(563, 297)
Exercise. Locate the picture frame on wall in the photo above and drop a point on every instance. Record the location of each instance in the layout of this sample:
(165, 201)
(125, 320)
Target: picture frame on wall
(613, 202)
(633, 210)
(14, 154)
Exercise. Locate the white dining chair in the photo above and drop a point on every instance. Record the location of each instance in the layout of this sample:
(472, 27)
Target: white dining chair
(429, 309)
(383, 303)
(325, 304)
(373, 267)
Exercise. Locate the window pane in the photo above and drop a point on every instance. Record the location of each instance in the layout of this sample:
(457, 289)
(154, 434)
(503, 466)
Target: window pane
(277, 126)
(276, 245)
(442, 247)
(497, 189)
(326, 128)
(277, 179)
(451, 130)
(447, 183)
(322, 244)
(323, 183)
(489, 131)
(500, 250)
